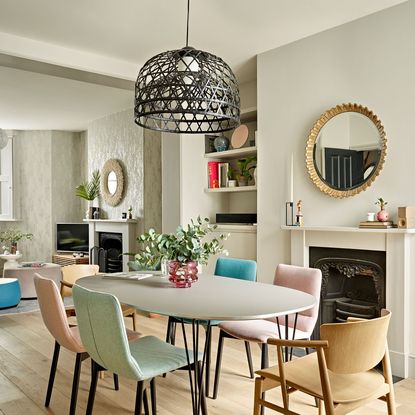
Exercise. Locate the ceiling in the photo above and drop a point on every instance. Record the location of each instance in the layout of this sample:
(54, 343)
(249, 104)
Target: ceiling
(114, 38)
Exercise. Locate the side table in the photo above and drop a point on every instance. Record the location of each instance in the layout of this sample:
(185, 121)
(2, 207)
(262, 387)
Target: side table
(25, 277)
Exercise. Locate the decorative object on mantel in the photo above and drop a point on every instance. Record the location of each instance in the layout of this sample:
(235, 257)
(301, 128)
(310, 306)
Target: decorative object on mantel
(289, 206)
(406, 217)
(90, 191)
(299, 219)
(11, 236)
(130, 212)
(371, 216)
(187, 91)
(382, 215)
(112, 183)
(376, 224)
(347, 168)
(183, 250)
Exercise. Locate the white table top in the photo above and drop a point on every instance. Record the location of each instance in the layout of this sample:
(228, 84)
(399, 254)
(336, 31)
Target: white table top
(210, 298)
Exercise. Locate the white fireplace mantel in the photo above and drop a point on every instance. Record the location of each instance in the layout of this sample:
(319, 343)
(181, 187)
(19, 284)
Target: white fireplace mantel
(399, 246)
(126, 227)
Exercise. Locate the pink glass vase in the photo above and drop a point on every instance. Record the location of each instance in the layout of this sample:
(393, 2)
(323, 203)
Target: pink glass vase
(382, 215)
(182, 274)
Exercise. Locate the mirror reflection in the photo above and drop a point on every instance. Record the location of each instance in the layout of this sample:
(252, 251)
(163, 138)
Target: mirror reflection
(347, 150)
(112, 182)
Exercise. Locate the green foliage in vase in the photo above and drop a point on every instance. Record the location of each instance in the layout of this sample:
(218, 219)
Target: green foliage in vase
(14, 235)
(382, 203)
(245, 168)
(185, 244)
(90, 190)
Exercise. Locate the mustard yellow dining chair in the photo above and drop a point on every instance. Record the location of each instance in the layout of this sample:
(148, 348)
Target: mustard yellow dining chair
(341, 374)
(71, 273)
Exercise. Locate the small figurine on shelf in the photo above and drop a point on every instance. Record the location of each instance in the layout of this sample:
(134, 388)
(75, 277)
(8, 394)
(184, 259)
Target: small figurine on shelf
(299, 215)
(130, 212)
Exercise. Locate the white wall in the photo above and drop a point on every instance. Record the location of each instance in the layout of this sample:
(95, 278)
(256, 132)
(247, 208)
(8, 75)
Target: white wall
(371, 62)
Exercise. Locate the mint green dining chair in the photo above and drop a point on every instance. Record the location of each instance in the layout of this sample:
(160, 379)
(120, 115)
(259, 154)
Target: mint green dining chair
(106, 342)
(241, 269)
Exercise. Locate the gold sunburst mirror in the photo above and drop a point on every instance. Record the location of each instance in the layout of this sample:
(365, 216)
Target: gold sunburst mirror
(346, 150)
(112, 182)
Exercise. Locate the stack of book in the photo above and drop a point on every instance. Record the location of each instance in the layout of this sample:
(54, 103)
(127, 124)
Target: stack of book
(217, 174)
(376, 225)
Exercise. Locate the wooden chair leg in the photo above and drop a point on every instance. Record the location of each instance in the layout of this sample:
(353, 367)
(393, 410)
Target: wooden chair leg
(249, 357)
(218, 364)
(139, 398)
(257, 395)
(93, 387)
(153, 396)
(264, 365)
(116, 383)
(390, 402)
(75, 383)
(52, 373)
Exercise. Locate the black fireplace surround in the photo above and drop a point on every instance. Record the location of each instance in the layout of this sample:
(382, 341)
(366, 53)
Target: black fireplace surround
(108, 253)
(353, 284)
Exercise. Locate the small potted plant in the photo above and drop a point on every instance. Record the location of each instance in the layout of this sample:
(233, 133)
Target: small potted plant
(245, 167)
(231, 177)
(11, 236)
(382, 215)
(90, 190)
(183, 250)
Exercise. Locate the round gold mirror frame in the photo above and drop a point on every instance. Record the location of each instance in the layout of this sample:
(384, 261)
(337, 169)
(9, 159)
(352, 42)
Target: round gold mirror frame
(312, 138)
(112, 165)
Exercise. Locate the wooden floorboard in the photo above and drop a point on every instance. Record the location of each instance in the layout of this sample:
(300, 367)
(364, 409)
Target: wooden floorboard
(26, 349)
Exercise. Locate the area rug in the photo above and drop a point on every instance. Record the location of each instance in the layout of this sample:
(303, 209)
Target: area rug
(29, 306)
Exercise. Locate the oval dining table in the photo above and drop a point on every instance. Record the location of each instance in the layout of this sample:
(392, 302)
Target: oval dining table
(210, 298)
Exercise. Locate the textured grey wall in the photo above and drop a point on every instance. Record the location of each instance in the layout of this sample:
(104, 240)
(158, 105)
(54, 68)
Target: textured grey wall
(47, 167)
(118, 137)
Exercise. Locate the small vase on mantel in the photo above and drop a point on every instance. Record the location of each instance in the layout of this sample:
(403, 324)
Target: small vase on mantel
(382, 215)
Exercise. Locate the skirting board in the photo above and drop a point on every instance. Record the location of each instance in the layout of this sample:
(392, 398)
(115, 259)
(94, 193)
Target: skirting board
(411, 370)
(402, 365)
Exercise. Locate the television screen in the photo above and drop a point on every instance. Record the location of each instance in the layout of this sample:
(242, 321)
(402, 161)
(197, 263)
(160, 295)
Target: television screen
(72, 237)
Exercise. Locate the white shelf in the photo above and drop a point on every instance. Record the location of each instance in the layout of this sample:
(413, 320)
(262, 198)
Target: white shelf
(346, 229)
(231, 227)
(248, 114)
(112, 220)
(232, 154)
(232, 189)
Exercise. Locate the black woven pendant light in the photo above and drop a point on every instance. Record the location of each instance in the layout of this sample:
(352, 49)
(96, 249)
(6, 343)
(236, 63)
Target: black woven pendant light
(187, 91)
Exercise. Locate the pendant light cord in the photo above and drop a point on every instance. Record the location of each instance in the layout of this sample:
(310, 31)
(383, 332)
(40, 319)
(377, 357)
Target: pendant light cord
(187, 26)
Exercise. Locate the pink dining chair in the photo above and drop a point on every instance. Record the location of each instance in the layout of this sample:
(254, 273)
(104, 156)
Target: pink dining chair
(55, 319)
(259, 331)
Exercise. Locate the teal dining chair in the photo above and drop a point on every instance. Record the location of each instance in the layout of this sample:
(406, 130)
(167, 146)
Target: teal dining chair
(243, 269)
(106, 342)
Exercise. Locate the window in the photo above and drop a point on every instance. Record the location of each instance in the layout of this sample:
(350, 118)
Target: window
(6, 176)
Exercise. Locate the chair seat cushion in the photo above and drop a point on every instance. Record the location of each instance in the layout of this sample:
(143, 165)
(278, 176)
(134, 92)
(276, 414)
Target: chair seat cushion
(259, 331)
(156, 357)
(303, 374)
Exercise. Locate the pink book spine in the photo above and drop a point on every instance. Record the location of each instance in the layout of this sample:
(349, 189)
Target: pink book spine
(213, 171)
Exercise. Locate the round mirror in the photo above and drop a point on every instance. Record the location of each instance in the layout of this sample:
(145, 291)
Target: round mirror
(346, 150)
(112, 182)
